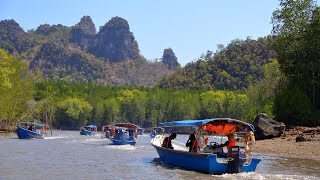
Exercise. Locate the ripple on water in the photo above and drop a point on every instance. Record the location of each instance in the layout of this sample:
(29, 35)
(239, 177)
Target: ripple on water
(68, 155)
(120, 147)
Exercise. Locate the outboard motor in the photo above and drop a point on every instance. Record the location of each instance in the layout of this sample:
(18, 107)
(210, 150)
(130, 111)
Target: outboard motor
(238, 157)
(107, 134)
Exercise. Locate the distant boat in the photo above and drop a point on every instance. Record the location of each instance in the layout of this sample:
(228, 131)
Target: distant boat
(211, 159)
(106, 131)
(140, 131)
(30, 130)
(156, 131)
(88, 130)
(124, 133)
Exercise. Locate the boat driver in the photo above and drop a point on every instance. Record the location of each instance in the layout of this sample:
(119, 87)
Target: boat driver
(231, 142)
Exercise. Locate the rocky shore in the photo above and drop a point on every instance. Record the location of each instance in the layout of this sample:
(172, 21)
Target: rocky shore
(288, 147)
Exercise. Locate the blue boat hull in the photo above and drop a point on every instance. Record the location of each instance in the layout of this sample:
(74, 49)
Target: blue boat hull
(27, 134)
(206, 163)
(85, 132)
(123, 142)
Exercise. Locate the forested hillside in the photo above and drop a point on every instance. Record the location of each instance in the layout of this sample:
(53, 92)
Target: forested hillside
(90, 83)
(234, 67)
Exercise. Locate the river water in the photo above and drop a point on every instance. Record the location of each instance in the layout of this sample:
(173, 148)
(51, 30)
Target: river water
(68, 155)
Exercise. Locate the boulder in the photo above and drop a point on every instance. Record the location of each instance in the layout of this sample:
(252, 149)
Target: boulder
(267, 128)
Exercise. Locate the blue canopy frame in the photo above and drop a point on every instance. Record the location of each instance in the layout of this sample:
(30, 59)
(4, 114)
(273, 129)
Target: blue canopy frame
(197, 123)
(31, 123)
(91, 126)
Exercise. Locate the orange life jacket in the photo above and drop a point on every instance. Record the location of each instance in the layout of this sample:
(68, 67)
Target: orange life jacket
(207, 127)
(217, 128)
(231, 143)
(195, 146)
(229, 129)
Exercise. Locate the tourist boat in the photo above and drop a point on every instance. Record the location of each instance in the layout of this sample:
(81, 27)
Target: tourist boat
(140, 131)
(124, 133)
(106, 131)
(88, 130)
(212, 158)
(156, 131)
(30, 130)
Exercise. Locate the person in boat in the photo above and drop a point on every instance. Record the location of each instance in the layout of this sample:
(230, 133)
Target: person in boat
(30, 128)
(167, 141)
(231, 142)
(193, 143)
(203, 141)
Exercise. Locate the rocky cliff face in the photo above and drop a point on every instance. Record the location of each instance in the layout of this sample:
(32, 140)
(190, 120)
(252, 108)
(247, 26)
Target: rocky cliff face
(11, 36)
(83, 33)
(78, 54)
(46, 29)
(115, 42)
(170, 59)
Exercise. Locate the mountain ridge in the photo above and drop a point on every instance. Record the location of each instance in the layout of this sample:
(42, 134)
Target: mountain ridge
(79, 53)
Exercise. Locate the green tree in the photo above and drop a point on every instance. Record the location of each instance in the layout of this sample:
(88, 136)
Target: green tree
(296, 26)
(111, 110)
(212, 104)
(262, 95)
(73, 112)
(16, 89)
(132, 105)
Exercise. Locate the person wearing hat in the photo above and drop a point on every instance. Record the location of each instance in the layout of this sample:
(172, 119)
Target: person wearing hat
(167, 141)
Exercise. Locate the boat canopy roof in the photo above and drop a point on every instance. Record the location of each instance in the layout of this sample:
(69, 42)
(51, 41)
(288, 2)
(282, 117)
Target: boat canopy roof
(158, 128)
(31, 123)
(216, 125)
(91, 126)
(188, 123)
(120, 128)
(126, 125)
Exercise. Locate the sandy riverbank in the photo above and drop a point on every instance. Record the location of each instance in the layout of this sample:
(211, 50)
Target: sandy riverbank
(288, 147)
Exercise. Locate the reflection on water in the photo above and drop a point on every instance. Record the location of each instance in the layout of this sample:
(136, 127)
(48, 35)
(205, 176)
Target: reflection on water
(68, 155)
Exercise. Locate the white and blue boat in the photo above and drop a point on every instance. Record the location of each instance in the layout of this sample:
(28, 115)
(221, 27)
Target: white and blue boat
(106, 131)
(124, 133)
(156, 131)
(211, 158)
(30, 130)
(140, 131)
(88, 130)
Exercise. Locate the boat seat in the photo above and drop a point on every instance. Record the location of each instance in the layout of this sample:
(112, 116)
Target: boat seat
(210, 149)
(177, 147)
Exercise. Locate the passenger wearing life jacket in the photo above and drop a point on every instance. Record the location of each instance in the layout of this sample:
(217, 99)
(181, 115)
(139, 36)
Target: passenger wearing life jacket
(231, 142)
(167, 141)
(193, 144)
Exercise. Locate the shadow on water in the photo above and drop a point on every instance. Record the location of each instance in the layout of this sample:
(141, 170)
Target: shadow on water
(158, 162)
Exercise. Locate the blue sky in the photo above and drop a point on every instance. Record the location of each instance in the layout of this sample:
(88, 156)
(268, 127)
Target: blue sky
(189, 27)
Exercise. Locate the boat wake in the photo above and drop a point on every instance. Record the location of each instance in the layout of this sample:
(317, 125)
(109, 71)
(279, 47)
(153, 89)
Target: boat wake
(54, 137)
(92, 141)
(121, 147)
(253, 175)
